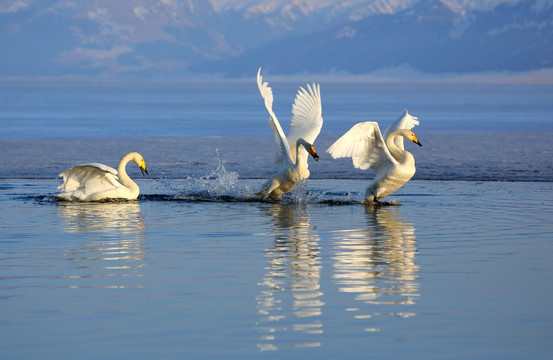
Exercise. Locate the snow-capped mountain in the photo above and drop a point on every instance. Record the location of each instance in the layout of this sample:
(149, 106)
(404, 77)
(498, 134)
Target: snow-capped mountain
(147, 37)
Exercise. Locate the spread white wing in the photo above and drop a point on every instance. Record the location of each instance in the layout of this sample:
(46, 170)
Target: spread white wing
(365, 145)
(405, 121)
(307, 118)
(94, 177)
(283, 149)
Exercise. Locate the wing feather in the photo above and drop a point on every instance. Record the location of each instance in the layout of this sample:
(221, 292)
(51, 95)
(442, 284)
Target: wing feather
(283, 150)
(307, 119)
(94, 177)
(365, 145)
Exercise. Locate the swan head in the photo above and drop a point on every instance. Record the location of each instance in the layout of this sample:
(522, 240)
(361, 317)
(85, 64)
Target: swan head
(139, 160)
(414, 139)
(312, 152)
(408, 134)
(310, 148)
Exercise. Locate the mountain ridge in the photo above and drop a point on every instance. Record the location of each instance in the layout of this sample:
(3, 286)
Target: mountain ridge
(152, 38)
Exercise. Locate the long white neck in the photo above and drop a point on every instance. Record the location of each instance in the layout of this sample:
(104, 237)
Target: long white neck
(399, 154)
(122, 173)
(301, 158)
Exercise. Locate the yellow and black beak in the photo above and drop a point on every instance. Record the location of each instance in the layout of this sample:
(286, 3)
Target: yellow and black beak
(313, 153)
(416, 141)
(143, 168)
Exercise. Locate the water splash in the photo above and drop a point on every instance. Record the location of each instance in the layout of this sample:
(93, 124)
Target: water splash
(219, 185)
(224, 185)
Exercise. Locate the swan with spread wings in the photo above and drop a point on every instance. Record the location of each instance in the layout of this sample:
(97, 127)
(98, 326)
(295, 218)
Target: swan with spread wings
(292, 150)
(383, 154)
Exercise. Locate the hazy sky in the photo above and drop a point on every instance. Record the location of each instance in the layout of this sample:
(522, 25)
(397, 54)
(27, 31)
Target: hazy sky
(16, 5)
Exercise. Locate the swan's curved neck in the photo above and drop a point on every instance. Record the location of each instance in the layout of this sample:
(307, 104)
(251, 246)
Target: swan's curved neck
(396, 152)
(122, 173)
(300, 159)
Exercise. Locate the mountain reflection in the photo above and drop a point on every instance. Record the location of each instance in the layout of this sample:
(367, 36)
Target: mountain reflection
(109, 244)
(292, 281)
(377, 264)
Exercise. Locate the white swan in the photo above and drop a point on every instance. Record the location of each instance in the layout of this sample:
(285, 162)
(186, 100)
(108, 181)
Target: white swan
(97, 182)
(305, 126)
(393, 165)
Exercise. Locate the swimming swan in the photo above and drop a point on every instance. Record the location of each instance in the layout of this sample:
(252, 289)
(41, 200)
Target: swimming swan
(292, 151)
(365, 144)
(97, 182)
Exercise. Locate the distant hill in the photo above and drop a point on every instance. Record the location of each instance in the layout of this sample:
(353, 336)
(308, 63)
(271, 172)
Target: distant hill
(232, 37)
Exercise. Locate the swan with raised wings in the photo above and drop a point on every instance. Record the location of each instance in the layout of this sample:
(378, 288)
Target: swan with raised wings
(98, 182)
(384, 154)
(292, 150)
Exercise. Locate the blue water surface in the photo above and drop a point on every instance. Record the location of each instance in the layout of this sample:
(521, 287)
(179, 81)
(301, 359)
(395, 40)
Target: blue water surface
(198, 267)
(461, 270)
(232, 107)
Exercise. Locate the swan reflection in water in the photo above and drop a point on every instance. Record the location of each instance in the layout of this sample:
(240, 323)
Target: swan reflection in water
(377, 264)
(109, 243)
(292, 280)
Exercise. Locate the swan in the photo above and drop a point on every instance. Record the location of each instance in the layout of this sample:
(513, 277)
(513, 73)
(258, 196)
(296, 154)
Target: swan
(384, 154)
(292, 151)
(97, 182)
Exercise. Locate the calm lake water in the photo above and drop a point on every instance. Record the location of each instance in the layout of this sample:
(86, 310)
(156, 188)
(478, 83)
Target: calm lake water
(196, 268)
